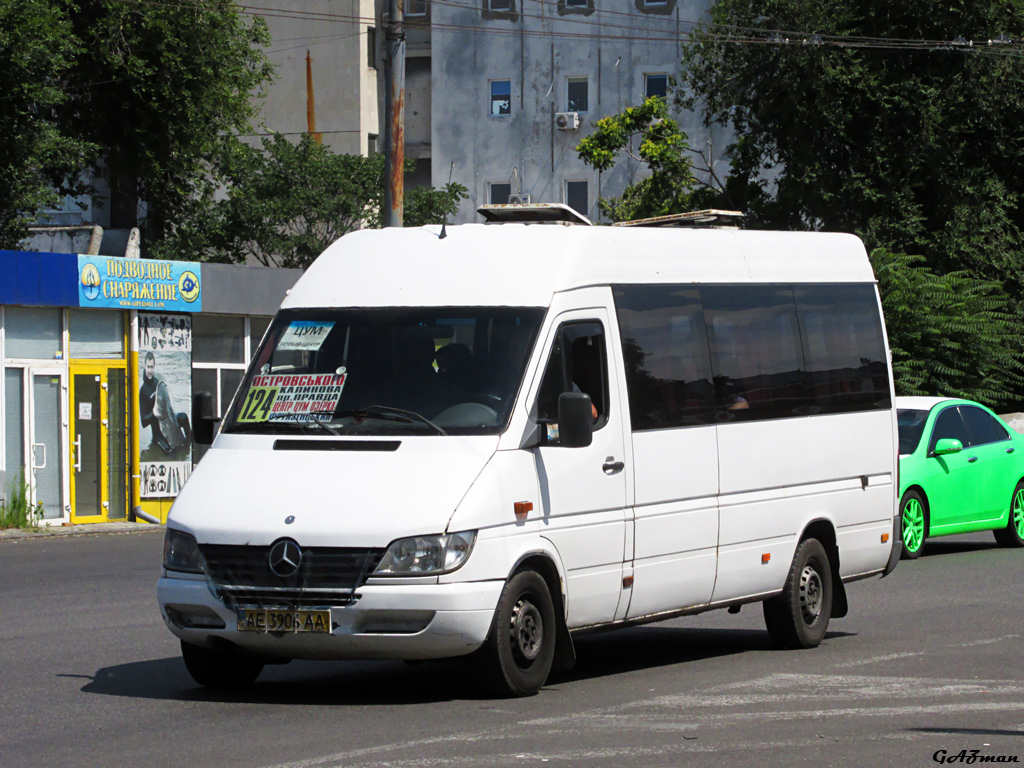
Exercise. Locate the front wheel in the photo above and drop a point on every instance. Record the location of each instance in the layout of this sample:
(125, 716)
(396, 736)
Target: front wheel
(219, 670)
(798, 618)
(914, 519)
(518, 654)
(1013, 534)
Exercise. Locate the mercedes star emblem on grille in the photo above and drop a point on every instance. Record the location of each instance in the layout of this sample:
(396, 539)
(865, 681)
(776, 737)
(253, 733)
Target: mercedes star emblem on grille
(285, 557)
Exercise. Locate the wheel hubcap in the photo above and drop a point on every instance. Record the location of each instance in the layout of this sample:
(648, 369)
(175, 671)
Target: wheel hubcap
(527, 629)
(913, 525)
(810, 594)
(1018, 513)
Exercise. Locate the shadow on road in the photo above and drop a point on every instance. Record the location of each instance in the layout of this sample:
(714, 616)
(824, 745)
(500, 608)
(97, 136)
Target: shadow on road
(970, 731)
(313, 683)
(940, 546)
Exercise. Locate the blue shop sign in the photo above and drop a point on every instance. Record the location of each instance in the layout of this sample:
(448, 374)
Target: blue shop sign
(117, 283)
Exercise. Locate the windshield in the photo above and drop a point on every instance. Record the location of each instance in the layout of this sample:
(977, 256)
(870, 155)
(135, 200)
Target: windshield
(386, 371)
(911, 426)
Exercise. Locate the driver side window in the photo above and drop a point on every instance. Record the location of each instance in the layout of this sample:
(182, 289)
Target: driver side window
(578, 363)
(949, 425)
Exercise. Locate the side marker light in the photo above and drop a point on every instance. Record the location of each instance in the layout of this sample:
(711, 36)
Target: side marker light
(885, 537)
(522, 509)
(766, 557)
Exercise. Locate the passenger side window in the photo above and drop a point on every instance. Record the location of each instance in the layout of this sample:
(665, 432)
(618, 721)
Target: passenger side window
(665, 349)
(756, 355)
(982, 428)
(578, 363)
(949, 425)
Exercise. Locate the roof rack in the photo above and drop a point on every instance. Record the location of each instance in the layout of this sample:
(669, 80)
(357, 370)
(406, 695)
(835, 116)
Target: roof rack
(712, 217)
(535, 213)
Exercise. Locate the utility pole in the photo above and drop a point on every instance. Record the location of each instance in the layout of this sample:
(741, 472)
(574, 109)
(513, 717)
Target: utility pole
(394, 125)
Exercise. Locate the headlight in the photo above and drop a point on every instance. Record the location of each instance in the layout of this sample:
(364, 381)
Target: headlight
(181, 553)
(426, 555)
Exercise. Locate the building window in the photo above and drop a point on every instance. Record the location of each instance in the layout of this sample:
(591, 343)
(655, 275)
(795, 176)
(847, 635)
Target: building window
(33, 333)
(501, 97)
(577, 196)
(578, 93)
(416, 8)
(371, 47)
(655, 85)
(371, 144)
(500, 5)
(655, 2)
(498, 194)
(575, 3)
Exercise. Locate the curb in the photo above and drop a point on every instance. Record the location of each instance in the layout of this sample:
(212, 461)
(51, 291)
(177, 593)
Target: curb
(88, 529)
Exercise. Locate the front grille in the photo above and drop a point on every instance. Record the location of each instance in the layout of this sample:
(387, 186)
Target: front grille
(327, 576)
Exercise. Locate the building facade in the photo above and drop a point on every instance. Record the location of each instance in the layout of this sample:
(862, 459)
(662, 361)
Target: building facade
(101, 358)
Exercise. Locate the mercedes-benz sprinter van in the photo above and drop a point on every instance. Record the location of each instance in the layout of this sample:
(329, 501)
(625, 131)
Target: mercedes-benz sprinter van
(483, 440)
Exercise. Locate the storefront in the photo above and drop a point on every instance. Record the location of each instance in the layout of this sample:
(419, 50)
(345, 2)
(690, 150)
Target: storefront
(101, 357)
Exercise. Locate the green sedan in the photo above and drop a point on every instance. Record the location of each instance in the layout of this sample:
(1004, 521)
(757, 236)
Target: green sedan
(961, 470)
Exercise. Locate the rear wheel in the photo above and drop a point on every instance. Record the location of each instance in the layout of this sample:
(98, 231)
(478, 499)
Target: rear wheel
(518, 654)
(798, 618)
(1013, 534)
(215, 669)
(914, 518)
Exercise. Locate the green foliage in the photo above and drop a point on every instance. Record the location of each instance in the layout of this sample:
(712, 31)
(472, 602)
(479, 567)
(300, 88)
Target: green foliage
(38, 158)
(162, 88)
(661, 146)
(16, 511)
(286, 202)
(950, 335)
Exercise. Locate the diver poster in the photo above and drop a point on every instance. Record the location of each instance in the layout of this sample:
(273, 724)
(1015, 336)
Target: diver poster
(165, 397)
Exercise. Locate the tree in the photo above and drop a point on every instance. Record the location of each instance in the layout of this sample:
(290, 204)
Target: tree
(163, 89)
(950, 335)
(286, 202)
(670, 185)
(917, 150)
(38, 160)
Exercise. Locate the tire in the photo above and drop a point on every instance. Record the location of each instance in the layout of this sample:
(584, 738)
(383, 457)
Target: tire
(1013, 534)
(520, 649)
(798, 618)
(214, 669)
(914, 520)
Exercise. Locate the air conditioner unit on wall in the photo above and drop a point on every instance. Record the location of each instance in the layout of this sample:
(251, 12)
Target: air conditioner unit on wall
(520, 199)
(567, 121)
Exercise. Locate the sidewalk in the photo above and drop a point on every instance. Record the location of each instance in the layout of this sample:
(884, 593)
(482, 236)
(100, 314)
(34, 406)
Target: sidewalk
(79, 530)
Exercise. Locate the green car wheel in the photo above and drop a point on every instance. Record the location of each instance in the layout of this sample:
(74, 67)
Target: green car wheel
(914, 518)
(1013, 534)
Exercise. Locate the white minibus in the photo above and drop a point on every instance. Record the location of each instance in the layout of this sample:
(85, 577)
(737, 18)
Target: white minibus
(481, 440)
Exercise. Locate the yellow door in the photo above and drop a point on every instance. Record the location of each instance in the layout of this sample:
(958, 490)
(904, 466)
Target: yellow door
(99, 443)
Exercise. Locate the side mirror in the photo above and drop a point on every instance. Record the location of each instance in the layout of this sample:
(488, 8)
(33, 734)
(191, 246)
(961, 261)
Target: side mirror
(948, 445)
(575, 420)
(202, 418)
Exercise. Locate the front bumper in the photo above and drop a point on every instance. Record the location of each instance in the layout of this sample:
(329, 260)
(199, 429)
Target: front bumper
(401, 621)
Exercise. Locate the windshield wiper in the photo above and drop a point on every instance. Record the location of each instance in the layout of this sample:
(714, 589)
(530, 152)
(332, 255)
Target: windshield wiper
(393, 414)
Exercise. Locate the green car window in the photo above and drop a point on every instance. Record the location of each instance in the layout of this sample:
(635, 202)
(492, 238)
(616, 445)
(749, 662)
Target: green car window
(981, 427)
(949, 424)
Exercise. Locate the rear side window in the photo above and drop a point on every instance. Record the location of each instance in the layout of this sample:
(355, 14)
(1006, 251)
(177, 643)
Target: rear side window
(911, 427)
(981, 427)
(948, 425)
(756, 358)
(718, 353)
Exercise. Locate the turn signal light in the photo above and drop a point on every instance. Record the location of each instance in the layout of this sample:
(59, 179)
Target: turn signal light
(885, 537)
(523, 508)
(766, 557)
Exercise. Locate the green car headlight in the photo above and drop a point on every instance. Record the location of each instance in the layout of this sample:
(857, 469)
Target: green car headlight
(426, 555)
(181, 552)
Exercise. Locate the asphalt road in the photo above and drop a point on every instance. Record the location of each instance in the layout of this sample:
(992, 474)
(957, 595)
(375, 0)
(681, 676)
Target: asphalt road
(929, 659)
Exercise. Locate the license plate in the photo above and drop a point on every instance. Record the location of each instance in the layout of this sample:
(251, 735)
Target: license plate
(274, 620)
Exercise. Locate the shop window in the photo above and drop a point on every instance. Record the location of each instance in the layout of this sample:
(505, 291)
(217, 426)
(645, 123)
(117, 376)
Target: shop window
(501, 97)
(218, 339)
(96, 333)
(578, 94)
(257, 327)
(33, 333)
